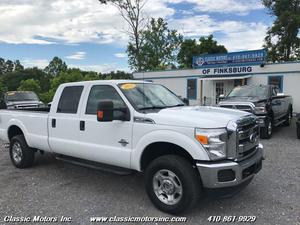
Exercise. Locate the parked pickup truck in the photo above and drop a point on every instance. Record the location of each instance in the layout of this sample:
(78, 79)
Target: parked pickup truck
(265, 101)
(140, 126)
(20, 100)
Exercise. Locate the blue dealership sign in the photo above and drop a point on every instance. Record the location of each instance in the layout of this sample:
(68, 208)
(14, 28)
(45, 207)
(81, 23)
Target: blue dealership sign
(232, 58)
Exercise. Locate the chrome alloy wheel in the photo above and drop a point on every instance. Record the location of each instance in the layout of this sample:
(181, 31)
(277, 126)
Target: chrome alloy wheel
(167, 187)
(17, 152)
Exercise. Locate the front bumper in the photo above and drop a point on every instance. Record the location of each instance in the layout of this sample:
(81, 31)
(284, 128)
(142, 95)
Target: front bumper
(262, 121)
(230, 173)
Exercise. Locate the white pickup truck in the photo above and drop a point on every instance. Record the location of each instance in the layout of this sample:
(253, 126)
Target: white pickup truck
(140, 126)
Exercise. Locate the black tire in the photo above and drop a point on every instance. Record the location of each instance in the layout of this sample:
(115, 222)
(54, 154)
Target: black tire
(298, 130)
(288, 118)
(267, 131)
(188, 178)
(25, 158)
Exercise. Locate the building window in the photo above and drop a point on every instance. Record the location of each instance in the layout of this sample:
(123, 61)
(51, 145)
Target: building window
(192, 89)
(276, 81)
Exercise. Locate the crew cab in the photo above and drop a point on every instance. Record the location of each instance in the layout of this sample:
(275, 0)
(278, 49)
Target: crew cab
(271, 107)
(126, 125)
(20, 99)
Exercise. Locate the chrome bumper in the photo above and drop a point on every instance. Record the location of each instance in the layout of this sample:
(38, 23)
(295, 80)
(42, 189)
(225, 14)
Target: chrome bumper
(230, 173)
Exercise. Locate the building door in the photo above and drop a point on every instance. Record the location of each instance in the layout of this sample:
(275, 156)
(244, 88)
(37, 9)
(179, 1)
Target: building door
(219, 90)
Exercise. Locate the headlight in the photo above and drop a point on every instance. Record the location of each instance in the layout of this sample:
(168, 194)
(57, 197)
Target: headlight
(260, 108)
(214, 141)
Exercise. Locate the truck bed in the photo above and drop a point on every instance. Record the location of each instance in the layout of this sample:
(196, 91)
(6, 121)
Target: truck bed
(33, 122)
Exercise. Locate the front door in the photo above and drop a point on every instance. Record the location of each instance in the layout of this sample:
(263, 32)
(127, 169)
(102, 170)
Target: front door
(105, 142)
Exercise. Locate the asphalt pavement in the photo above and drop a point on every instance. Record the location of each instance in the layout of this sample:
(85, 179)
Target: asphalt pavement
(52, 188)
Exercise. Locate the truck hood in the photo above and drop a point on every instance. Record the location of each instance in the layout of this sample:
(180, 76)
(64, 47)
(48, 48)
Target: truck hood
(242, 99)
(13, 103)
(196, 116)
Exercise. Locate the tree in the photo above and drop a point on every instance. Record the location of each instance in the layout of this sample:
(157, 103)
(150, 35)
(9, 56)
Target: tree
(18, 66)
(159, 47)
(2, 66)
(190, 48)
(9, 66)
(282, 39)
(30, 85)
(55, 67)
(131, 12)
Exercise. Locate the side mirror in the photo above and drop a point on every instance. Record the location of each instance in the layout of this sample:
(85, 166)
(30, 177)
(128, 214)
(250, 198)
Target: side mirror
(105, 112)
(221, 97)
(186, 101)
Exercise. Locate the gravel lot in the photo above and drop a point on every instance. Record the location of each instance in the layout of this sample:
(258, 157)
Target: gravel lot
(54, 188)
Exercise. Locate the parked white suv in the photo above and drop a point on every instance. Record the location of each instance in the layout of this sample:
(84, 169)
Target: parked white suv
(134, 125)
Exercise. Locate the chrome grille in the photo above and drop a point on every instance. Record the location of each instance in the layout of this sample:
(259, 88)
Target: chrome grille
(242, 107)
(247, 137)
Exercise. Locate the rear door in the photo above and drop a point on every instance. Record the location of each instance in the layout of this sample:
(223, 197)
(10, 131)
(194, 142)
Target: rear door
(63, 121)
(105, 142)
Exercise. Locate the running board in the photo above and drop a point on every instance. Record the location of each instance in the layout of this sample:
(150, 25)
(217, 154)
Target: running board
(94, 165)
(279, 123)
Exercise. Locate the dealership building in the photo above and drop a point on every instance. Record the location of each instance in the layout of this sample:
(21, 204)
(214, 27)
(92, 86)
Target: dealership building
(217, 74)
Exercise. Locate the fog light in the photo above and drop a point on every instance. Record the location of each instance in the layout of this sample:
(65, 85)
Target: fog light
(226, 175)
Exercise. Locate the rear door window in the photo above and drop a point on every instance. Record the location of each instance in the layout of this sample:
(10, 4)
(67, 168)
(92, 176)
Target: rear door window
(69, 99)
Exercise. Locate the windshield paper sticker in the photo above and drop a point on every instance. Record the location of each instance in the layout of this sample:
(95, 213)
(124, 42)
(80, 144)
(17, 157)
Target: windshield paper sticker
(128, 86)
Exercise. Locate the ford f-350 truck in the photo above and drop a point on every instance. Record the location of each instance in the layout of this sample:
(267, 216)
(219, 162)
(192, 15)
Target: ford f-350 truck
(141, 126)
(271, 107)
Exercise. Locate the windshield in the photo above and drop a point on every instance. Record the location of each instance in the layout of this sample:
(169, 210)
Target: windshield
(150, 96)
(249, 91)
(21, 96)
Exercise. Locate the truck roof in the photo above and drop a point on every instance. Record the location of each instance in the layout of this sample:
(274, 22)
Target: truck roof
(105, 82)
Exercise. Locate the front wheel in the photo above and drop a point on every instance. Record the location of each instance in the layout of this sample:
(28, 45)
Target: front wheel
(288, 118)
(267, 131)
(172, 184)
(21, 155)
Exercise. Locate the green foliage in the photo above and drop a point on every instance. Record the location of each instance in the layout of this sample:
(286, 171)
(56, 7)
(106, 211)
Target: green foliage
(30, 85)
(8, 66)
(45, 85)
(282, 41)
(158, 48)
(190, 48)
(55, 67)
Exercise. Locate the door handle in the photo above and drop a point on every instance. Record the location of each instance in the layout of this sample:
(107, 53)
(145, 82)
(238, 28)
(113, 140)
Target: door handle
(53, 123)
(82, 125)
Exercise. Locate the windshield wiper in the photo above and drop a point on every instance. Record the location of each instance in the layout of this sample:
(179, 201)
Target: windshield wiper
(153, 107)
(172, 106)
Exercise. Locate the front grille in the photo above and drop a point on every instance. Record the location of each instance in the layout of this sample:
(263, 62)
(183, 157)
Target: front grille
(26, 106)
(247, 137)
(246, 108)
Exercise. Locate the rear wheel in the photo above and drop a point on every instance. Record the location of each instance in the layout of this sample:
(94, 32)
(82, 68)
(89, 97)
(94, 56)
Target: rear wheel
(298, 129)
(21, 155)
(172, 184)
(267, 131)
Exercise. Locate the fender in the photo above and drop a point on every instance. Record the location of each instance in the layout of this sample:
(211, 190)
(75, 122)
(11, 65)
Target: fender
(18, 123)
(194, 148)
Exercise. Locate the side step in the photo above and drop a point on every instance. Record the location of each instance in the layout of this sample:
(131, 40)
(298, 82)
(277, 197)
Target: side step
(94, 165)
(279, 123)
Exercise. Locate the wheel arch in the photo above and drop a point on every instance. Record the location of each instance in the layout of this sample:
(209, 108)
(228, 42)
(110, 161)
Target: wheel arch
(162, 142)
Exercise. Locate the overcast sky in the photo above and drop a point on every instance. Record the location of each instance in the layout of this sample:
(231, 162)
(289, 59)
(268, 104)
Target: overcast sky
(88, 35)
